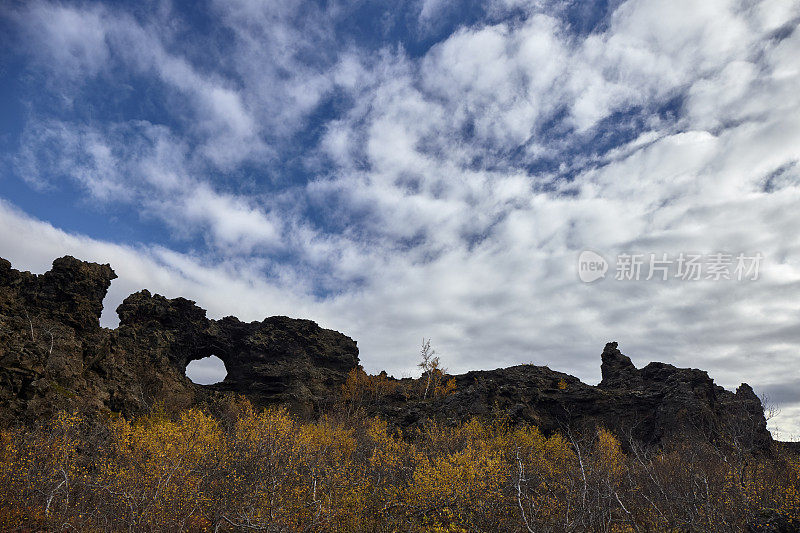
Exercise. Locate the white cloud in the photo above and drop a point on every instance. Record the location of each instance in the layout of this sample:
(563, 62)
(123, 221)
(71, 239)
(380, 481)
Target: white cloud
(73, 42)
(222, 289)
(232, 221)
(283, 53)
(148, 165)
(79, 43)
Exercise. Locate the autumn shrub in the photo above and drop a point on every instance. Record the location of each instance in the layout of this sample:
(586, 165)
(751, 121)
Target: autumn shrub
(243, 469)
(360, 388)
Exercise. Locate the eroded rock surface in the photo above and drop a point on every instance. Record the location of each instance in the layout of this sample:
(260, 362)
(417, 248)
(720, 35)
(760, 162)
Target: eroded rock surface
(54, 355)
(277, 360)
(653, 404)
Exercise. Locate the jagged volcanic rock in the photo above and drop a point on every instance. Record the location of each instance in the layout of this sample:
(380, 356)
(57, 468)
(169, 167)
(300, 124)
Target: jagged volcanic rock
(277, 360)
(650, 405)
(55, 355)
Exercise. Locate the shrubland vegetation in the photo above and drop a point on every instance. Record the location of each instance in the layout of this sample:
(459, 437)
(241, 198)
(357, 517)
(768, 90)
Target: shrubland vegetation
(235, 467)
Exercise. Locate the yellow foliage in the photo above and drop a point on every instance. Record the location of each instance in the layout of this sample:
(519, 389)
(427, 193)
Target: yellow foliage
(609, 453)
(264, 469)
(445, 388)
(360, 387)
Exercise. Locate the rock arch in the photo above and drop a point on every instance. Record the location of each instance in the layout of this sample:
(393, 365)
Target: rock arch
(278, 359)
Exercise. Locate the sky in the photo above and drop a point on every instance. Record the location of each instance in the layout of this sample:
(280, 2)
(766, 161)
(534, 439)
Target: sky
(427, 169)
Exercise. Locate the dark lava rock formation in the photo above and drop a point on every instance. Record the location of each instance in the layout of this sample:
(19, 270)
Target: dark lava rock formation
(656, 403)
(55, 355)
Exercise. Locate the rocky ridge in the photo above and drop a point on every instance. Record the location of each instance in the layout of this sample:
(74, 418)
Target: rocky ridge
(55, 355)
(656, 403)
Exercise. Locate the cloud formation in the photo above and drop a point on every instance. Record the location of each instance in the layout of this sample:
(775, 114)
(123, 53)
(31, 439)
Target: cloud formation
(401, 185)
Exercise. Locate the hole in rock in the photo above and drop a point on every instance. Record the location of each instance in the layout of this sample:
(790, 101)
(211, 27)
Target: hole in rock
(206, 371)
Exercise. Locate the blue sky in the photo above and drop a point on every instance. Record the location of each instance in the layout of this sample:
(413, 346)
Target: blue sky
(423, 168)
